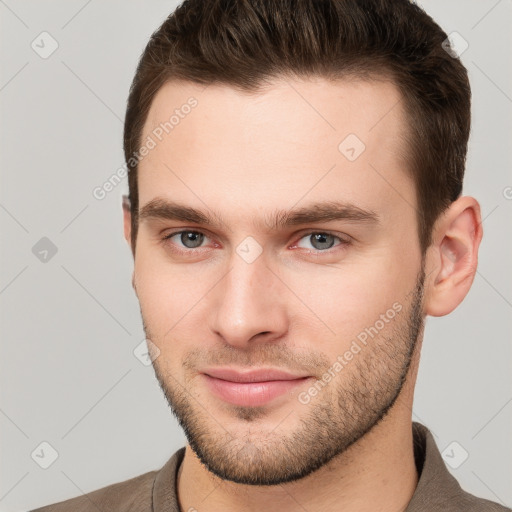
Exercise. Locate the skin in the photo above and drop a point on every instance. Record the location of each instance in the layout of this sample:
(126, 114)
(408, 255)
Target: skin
(296, 307)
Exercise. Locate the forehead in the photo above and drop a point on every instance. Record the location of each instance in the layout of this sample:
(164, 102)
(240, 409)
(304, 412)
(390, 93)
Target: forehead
(288, 108)
(296, 140)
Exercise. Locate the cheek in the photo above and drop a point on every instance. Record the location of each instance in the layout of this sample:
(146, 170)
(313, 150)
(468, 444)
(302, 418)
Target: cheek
(345, 300)
(167, 292)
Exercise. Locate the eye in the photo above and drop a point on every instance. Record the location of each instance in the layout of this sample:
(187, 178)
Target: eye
(188, 239)
(320, 241)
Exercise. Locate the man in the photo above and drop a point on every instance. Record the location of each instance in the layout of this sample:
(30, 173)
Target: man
(295, 213)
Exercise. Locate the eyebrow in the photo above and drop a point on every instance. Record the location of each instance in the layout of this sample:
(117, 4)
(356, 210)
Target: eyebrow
(317, 212)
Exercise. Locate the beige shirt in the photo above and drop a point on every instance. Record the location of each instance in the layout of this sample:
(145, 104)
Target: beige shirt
(437, 489)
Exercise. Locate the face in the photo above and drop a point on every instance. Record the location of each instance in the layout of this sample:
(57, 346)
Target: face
(278, 231)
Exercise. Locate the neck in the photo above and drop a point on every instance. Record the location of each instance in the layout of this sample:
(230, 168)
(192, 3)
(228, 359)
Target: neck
(377, 472)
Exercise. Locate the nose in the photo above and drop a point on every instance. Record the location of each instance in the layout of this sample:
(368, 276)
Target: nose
(249, 304)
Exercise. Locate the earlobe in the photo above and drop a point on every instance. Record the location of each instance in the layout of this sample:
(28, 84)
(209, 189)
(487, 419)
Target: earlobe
(457, 235)
(133, 283)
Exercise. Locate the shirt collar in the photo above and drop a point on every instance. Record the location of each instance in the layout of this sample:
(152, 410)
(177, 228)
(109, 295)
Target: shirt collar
(436, 485)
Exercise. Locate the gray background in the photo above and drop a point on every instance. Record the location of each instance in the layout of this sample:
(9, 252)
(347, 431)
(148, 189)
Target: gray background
(70, 324)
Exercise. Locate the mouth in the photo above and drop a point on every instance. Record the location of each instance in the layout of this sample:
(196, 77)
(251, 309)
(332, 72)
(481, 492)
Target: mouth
(251, 388)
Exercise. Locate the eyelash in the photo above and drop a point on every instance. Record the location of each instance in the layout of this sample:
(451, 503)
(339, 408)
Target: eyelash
(342, 242)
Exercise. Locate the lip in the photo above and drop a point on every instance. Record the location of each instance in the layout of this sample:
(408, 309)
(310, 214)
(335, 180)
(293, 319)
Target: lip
(251, 389)
(259, 375)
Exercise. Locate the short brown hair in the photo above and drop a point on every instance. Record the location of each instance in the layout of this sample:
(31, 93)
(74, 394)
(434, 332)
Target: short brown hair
(246, 43)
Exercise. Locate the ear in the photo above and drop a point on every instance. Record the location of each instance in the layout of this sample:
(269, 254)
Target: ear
(453, 256)
(127, 221)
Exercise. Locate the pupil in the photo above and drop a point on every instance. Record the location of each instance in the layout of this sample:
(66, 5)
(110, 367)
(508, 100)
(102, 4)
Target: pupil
(191, 239)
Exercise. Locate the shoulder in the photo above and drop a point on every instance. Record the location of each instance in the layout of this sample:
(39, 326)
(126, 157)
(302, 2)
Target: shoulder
(461, 501)
(438, 489)
(134, 494)
(470, 502)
